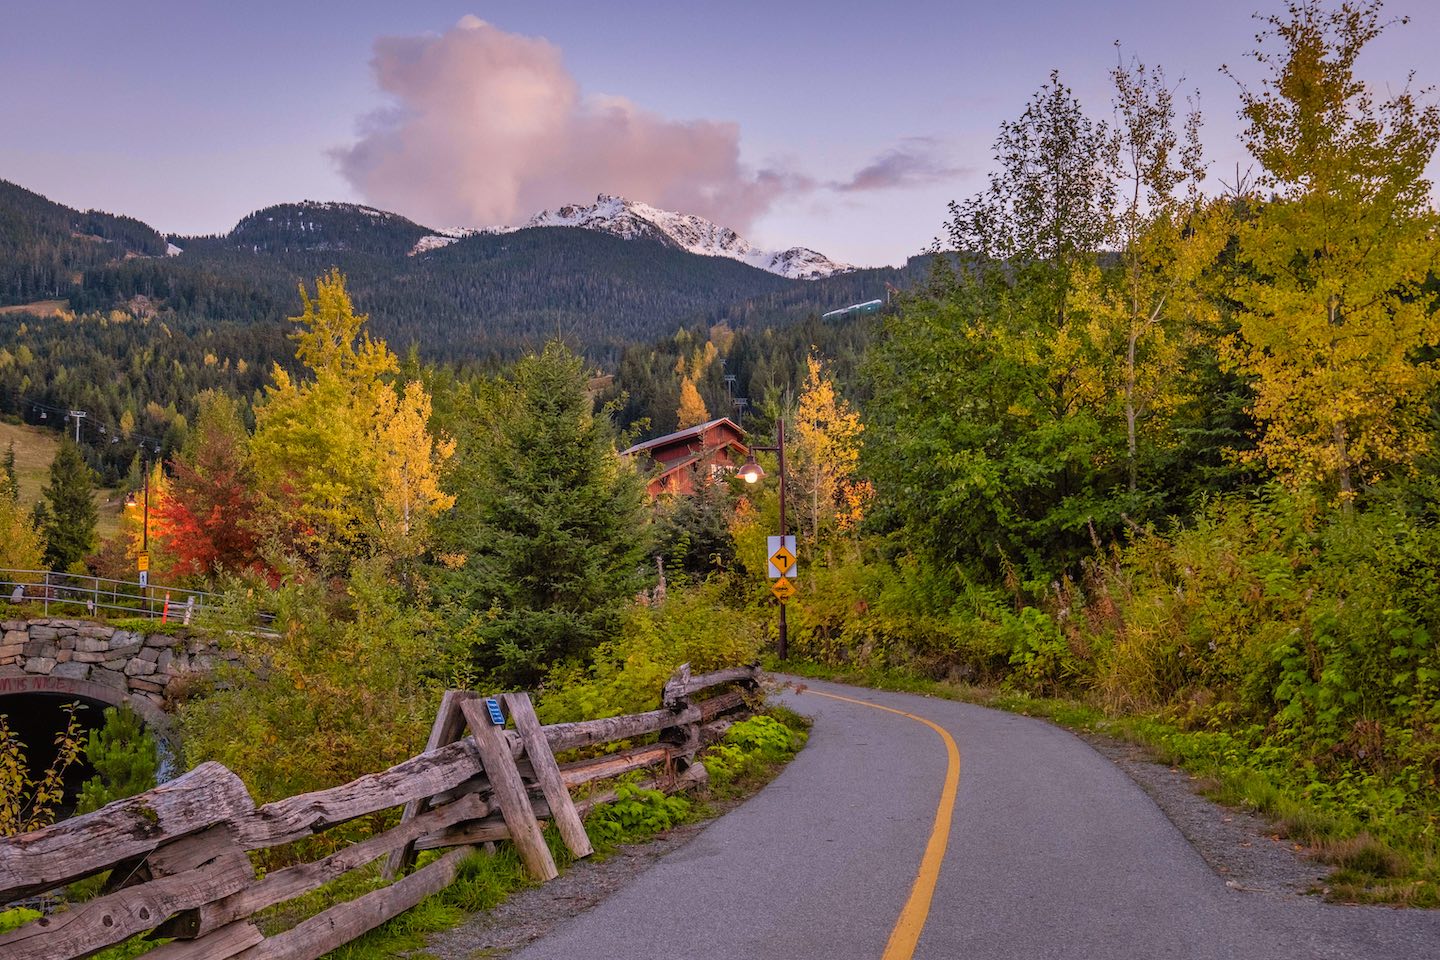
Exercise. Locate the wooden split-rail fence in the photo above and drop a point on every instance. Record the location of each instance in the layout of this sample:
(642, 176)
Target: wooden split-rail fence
(178, 858)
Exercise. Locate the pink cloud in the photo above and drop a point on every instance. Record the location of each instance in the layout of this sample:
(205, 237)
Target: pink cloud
(489, 127)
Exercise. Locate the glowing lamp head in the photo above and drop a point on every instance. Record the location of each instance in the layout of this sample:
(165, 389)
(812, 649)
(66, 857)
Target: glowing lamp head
(751, 472)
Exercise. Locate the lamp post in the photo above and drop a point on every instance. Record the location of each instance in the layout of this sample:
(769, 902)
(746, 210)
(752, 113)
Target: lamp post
(751, 472)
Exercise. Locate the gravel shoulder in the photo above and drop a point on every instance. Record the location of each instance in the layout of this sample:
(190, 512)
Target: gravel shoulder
(1242, 848)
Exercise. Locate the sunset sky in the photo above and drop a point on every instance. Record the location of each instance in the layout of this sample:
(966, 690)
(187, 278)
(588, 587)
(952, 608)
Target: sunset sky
(843, 127)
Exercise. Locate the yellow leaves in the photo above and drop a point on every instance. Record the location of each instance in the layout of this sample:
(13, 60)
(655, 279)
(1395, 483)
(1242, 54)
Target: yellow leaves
(1331, 317)
(1333, 266)
(333, 337)
(691, 411)
(348, 457)
(828, 450)
(28, 804)
(855, 497)
(408, 462)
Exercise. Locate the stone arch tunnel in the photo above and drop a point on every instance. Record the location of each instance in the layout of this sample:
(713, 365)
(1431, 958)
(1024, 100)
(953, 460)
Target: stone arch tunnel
(49, 663)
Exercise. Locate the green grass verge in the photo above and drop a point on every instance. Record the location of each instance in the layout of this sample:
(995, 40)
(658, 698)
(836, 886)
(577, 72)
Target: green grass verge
(1381, 854)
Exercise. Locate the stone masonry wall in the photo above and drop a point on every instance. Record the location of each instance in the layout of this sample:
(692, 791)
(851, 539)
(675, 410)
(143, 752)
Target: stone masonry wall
(134, 665)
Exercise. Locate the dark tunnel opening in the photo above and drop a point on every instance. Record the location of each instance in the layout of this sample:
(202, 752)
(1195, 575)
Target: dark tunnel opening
(36, 719)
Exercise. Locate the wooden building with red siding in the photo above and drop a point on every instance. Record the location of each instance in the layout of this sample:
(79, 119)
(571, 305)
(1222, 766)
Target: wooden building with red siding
(678, 462)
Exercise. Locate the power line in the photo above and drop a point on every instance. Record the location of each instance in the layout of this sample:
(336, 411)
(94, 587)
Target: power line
(106, 434)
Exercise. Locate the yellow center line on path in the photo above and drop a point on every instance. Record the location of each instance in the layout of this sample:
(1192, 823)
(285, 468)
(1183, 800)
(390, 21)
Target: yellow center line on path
(906, 934)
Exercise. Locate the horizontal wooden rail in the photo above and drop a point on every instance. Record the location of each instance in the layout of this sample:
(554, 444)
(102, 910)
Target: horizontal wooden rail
(180, 857)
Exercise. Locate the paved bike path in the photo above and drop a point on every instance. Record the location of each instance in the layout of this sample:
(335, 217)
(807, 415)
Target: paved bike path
(1052, 852)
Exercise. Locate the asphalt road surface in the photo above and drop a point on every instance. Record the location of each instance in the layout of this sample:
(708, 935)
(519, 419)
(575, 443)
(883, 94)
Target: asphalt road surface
(1049, 851)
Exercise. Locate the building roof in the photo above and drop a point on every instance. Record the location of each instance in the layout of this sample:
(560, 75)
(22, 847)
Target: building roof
(669, 438)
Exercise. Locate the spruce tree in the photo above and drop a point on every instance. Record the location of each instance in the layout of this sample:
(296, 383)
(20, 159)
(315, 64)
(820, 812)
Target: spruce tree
(69, 509)
(557, 547)
(10, 481)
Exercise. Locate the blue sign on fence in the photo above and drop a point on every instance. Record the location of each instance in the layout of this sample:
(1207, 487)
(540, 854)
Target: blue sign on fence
(496, 717)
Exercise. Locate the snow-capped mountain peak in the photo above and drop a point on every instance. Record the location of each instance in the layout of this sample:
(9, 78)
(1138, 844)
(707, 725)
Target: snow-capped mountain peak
(630, 219)
(440, 238)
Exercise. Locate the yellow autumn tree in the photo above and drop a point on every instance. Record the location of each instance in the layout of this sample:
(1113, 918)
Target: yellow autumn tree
(691, 411)
(1332, 306)
(21, 546)
(407, 460)
(827, 451)
(344, 462)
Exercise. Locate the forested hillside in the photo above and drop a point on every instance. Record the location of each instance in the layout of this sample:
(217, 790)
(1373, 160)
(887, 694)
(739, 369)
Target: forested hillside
(44, 246)
(125, 332)
(482, 296)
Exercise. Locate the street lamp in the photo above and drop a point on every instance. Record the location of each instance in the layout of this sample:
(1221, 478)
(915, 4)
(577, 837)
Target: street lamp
(751, 472)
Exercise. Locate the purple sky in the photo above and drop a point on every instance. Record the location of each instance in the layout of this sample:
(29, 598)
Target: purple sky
(191, 114)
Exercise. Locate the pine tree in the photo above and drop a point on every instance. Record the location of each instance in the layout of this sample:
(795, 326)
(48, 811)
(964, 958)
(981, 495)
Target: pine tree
(69, 509)
(125, 757)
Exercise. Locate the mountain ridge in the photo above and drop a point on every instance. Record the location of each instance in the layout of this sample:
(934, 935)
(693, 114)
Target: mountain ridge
(629, 219)
(455, 294)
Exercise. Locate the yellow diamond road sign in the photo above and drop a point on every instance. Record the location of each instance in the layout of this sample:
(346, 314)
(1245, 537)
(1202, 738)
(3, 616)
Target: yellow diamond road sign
(783, 589)
(783, 560)
(781, 553)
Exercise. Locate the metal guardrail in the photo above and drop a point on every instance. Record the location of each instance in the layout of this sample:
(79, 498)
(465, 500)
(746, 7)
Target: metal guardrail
(71, 593)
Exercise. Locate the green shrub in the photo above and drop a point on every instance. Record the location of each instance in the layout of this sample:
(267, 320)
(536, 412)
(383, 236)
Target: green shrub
(696, 625)
(339, 692)
(752, 748)
(125, 757)
(636, 813)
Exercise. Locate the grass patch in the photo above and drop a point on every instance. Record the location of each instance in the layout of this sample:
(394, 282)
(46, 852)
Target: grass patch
(1385, 851)
(36, 308)
(35, 449)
